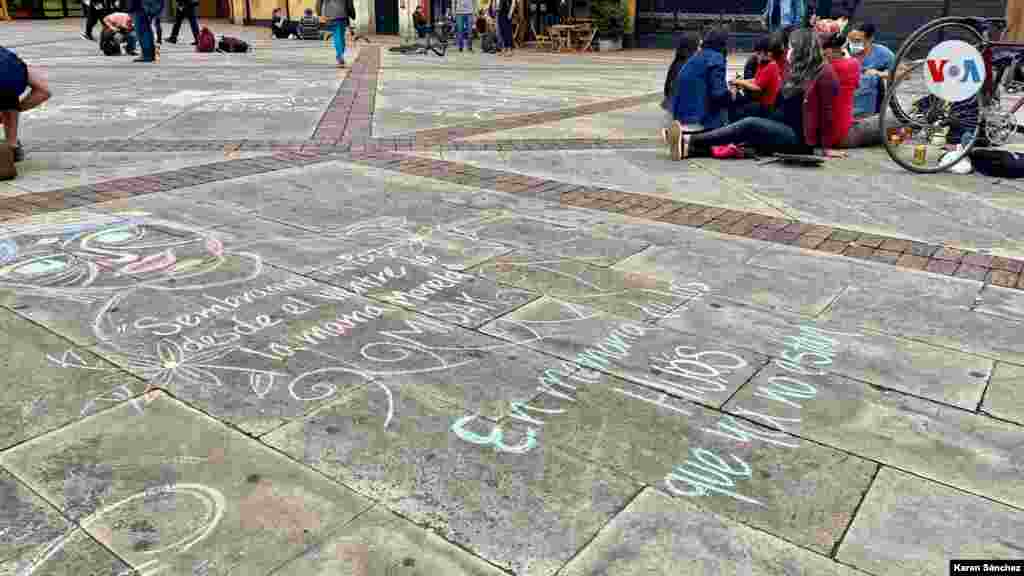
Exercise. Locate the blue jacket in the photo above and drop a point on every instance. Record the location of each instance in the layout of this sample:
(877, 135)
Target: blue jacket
(701, 94)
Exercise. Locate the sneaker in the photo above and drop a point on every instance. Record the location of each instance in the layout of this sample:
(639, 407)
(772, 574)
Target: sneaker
(87, 37)
(132, 52)
(675, 141)
(144, 59)
(341, 63)
(172, 40)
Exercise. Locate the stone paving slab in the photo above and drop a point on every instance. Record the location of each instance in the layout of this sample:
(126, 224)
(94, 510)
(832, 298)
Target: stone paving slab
(378, 542)
(635, 296)
(32, 534)
(525, 513)
(656, 535)
(909, 366)
(49, 384)
(920, 319)
(802, 492)
(912, 526)
(958, 448)
(640, 122)
(172, 494)
(686, 366)
(787, 290)
(1004, 397)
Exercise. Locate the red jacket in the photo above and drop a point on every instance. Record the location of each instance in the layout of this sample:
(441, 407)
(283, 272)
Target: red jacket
(819, 130)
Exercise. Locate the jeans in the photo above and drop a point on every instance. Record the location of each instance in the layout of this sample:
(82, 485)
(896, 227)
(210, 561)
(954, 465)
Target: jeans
(159, 29)
(505, 31)
(130, 41)
(188, 11)
(463, 23)
(338, 29)
(761, 133)
(145, 34)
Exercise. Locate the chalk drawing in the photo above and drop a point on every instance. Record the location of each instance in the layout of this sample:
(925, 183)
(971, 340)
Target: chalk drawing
(214, 506)
(707, 473)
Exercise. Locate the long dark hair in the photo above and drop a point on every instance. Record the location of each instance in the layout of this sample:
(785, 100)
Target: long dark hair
(805, 62)
(687, 46)
(716, 39)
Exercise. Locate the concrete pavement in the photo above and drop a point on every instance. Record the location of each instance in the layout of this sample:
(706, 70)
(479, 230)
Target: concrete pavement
(463, 316)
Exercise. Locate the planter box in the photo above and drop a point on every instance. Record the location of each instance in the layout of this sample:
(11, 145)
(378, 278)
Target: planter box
(609, 45)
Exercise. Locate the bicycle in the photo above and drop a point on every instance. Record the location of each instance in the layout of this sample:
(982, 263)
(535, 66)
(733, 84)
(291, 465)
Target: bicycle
(943, 131)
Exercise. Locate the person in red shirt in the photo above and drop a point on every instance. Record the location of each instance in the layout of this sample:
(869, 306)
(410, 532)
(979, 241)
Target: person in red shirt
(761, 91)
(848, 72)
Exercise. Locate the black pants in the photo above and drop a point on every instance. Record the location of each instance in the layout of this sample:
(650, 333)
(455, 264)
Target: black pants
(186, 11)
(92, 17)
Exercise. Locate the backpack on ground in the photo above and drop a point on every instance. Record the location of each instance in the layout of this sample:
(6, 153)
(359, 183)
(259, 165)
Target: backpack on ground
(206, 41)
(489, 44)
(235, 45)
(110, 43)
(998, 163)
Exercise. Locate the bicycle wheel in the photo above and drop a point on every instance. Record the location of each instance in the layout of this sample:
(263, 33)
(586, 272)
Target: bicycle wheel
(921, 132)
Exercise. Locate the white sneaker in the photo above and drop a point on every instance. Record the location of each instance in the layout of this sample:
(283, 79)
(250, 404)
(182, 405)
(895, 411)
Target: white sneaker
(963, 166)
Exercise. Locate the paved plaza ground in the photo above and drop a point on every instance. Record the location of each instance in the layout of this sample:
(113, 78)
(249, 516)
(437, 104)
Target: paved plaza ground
(463, 316)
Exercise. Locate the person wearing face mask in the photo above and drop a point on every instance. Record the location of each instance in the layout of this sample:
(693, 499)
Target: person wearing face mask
(760, 92)
(802, 120)
(875, 62)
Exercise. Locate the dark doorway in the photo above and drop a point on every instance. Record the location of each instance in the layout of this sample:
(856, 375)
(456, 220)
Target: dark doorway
(387, 16)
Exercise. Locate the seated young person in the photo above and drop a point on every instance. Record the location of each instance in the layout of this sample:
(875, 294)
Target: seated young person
(119, 23)
(280, 26)
(760, 92)
(309, 26)
(802, 120)
(701, 99)
(847, 71)
(419, 20)
(875, 61)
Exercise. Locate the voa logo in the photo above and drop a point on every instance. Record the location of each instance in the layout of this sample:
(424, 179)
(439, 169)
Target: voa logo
(954, 71)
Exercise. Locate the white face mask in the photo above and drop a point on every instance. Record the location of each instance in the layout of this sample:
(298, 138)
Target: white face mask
(856, 48)
(789, 55)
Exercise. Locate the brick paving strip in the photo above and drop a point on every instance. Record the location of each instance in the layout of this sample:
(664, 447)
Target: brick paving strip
(1005, 272)
(347, 124)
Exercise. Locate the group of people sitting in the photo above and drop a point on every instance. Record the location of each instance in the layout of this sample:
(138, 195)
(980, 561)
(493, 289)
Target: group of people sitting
(307, 28)
(806, 90)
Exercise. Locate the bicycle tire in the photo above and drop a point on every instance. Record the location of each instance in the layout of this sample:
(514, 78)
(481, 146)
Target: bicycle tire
(903, 118)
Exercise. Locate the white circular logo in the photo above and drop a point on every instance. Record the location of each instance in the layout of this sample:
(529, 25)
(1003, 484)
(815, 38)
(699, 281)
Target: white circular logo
(954, 71)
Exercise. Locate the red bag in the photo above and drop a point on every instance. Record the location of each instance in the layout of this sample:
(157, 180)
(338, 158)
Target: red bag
(206, 42)
(727, 151)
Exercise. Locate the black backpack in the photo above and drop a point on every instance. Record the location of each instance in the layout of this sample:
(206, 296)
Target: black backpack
(998, 163)
(229, 44)
(110, 43)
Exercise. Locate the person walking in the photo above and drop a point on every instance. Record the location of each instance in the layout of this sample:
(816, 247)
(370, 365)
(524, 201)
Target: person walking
(143, 12)
(186, 9)
(505, 10)
(158, 27)
(338, 13)
(464, 10)
(93, 11)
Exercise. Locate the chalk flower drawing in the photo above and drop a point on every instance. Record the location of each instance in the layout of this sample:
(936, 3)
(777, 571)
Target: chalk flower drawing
(168, 364)
(213, 507)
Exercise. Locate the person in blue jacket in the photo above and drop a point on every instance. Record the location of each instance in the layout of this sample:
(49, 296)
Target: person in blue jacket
(702, 96)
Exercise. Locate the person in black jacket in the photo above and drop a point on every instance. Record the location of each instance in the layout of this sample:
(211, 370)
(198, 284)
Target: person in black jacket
(186, 9)
(94, 11)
